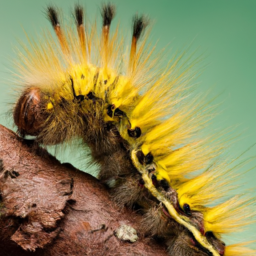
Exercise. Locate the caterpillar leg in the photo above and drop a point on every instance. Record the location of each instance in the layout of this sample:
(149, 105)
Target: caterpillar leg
(183, 244)
(130, 191)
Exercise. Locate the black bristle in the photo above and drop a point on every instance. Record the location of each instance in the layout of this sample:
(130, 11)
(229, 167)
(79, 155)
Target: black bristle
(79, 15)
(53, 16)
(139, 25)
(140, 157)
(149, 158)
(134, 133)
(138, 132)
(186, 209)
(110, 111)
(154, 180)
(107, 13)
(164, 184)
(119, 112)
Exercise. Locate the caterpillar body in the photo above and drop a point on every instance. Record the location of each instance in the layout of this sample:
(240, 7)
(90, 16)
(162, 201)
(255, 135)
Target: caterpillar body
(140, 126)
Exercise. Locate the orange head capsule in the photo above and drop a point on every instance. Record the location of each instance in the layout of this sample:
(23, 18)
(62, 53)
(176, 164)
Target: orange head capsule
(28, 113)
(51, 120)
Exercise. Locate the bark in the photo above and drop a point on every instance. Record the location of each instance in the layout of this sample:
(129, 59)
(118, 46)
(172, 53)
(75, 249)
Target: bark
(48, 208)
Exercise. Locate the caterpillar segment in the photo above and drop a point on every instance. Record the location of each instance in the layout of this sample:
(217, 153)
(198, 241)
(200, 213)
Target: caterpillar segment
(183, 220)
(141, 127)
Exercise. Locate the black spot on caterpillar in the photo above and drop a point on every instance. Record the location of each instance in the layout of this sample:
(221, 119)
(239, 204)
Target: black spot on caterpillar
(126, 128)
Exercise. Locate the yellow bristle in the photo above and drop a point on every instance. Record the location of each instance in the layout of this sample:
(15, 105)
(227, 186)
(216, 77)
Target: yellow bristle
(185, 160)
(231, 216)
(170, 133)
(164, 92)
(42, 63)
(148, 110)
(122, 93)
(161, 173)
(201, 190)
(239, 250)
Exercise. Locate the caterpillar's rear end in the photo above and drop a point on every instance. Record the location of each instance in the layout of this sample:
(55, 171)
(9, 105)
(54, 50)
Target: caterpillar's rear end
(141, 126)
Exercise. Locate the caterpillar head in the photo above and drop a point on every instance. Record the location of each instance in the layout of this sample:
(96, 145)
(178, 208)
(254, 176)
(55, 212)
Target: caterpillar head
(52, 119)
(28, 114)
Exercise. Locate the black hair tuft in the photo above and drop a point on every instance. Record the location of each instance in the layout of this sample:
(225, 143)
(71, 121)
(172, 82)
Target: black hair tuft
(164, 184)
(53, 16)
(149, 158)
(107, 13)
(139, 25)
(79, 15)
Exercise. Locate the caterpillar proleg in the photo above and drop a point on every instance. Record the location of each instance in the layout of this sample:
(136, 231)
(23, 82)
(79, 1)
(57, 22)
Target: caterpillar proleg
(141, 126)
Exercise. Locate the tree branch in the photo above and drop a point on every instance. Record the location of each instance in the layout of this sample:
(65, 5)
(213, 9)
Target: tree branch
(48, 208)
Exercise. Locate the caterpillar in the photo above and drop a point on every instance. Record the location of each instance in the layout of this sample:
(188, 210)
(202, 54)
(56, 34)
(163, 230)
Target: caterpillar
(140, 125)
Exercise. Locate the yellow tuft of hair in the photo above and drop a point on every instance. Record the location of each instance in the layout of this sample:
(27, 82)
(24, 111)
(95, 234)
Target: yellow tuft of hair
(240, 250)
(205, 188)
(230, 216)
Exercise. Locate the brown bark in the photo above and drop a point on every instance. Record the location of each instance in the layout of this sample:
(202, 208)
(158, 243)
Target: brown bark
(48, 208)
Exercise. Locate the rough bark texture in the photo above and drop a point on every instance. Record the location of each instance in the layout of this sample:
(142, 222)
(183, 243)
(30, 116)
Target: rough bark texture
(53, 209)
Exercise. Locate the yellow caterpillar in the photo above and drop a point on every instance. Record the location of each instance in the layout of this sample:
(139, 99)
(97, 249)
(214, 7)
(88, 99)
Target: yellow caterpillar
(141, 127)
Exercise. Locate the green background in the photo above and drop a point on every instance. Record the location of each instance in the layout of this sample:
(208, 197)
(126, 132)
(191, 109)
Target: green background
(224, 31)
